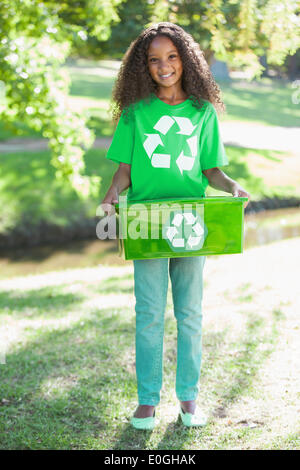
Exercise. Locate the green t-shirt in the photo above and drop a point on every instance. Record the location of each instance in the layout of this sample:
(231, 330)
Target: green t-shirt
(167, 147)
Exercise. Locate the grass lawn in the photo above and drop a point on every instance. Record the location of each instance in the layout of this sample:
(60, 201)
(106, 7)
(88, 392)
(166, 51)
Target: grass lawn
(266, 102)
(69, 377)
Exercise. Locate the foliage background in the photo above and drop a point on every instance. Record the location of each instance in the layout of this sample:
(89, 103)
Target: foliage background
(37, 36)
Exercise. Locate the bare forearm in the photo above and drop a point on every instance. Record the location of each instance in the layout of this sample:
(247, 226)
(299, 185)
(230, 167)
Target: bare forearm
(121, 179)
(218, 180)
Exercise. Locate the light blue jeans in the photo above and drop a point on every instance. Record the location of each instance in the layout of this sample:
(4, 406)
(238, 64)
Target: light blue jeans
(151, 286)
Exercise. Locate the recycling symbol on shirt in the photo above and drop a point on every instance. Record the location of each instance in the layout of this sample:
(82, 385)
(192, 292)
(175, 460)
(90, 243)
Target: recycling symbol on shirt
(163, 160)
(185, 231)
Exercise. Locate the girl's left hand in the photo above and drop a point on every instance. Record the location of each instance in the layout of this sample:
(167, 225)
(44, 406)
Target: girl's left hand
(238, 191)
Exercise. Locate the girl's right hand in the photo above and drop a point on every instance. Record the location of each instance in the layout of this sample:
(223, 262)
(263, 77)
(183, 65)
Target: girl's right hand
(111, 197)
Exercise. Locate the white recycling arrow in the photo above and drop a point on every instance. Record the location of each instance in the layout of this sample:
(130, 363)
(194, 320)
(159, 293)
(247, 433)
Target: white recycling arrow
(196, 236)
(164, 124)
(171, 232)
(185, 125)
(177, 220)
(150, 144)
(192, 141)
(192, 241)
(198, 229)
(178, 242)
(161, 160)
(185, 163)
(190, 218)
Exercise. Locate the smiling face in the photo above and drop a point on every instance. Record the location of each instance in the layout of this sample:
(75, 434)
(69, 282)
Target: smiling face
(164, 62)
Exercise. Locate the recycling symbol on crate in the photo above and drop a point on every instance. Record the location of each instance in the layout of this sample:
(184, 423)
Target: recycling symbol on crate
(163, 160)
(184, 231)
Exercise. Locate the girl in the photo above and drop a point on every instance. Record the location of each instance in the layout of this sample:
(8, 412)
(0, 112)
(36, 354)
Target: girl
(164, 83)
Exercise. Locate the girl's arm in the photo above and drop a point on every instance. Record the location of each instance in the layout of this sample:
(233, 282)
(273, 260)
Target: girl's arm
(218, 180)
(121, 180)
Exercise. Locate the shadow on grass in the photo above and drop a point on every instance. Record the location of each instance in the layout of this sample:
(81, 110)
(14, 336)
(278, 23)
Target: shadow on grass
(132, 439)
(269, 104)
(51, 301)
(24, 179)
(73, 387)
(226, 376)
(62, 388)
(238, 169)
(46, 302)
(242, 366)
(29, 209)
(176, 436)
(122, 285)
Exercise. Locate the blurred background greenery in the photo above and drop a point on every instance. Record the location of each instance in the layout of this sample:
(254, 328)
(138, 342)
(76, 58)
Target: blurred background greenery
(58, 63)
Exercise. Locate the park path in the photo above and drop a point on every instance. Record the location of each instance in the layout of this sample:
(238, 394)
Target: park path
(258, 136)
(249, 135)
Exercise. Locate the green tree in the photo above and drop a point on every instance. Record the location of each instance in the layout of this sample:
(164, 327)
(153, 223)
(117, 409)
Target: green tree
(133, 15)
(238, 31)
(36, 37)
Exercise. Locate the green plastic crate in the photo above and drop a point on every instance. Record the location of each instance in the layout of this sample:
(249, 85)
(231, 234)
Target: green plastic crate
(173, 228)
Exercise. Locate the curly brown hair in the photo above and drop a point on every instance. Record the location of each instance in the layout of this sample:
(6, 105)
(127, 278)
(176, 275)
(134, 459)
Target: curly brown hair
(134, 81)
